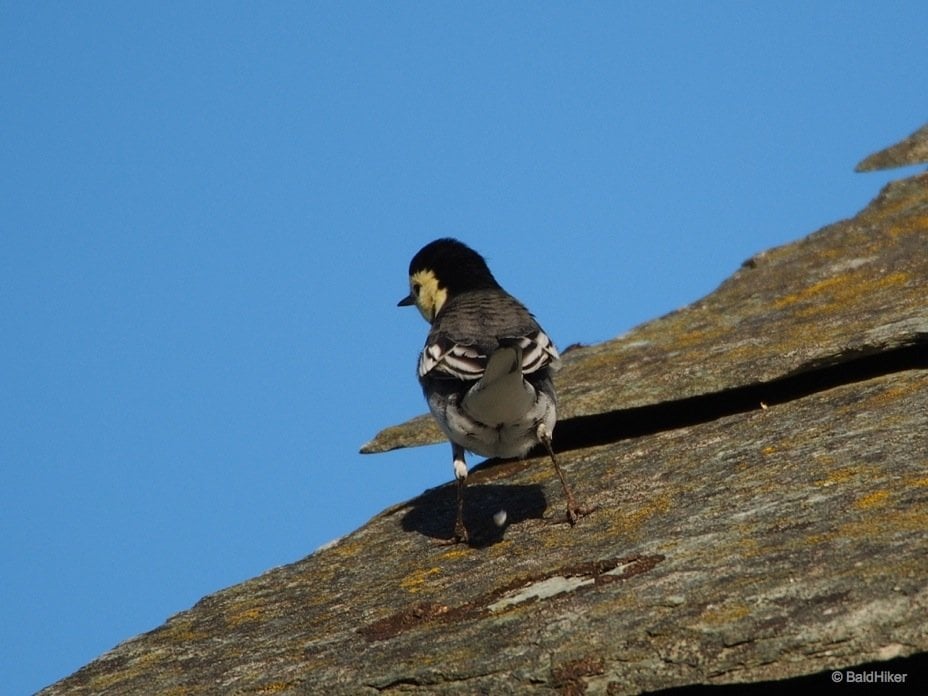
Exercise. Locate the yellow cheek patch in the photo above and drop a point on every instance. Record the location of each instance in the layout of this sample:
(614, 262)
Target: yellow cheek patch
(431, 297)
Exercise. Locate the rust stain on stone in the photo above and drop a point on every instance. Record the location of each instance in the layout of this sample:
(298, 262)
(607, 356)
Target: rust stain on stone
(599, 573)
(569, 678)
(408, 618)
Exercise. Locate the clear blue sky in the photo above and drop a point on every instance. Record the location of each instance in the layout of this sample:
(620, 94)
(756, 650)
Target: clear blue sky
(208, 210)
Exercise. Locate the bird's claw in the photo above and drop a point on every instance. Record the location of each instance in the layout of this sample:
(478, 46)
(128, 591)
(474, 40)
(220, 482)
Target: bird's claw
(575, 512)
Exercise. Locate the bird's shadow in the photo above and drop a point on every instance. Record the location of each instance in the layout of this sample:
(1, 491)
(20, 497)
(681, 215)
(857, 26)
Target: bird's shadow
(432, 513)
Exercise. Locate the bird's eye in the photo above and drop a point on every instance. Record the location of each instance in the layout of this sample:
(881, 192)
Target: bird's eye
(416, 287)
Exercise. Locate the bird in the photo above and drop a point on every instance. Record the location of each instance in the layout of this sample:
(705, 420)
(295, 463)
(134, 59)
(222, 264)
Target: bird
(486, 366)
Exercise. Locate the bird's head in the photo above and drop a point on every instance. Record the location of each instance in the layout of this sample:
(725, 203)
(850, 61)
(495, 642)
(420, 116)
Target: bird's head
(442, 269)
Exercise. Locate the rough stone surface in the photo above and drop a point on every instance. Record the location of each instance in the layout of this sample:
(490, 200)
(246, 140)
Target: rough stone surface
(912, 150)
(760, 465)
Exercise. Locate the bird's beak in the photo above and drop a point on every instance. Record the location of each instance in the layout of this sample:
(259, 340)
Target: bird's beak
(406, 301)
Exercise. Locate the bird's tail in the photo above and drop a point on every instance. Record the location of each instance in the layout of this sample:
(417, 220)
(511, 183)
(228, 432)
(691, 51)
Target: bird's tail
(502, 395)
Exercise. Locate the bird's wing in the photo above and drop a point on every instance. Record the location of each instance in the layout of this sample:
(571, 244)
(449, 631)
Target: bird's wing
(444, 358)
(538, 352)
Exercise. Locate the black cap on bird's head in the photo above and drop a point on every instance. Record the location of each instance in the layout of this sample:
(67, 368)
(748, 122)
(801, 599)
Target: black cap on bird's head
(442, 268)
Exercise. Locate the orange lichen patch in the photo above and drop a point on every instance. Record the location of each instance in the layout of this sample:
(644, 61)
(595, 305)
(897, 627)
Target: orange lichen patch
(415, 581)
(594, 359)
(842, 289)
(837, 476)
(886, 397)
(820, 538)
(501, 549)
(881, 210)
(629, 521)
(105, 680)
(908, 225)
(135, 667)
(824, 460)
(872, 500)
(877, 518)
(809, 293)
(750, 546)
(743, 351)
(242, 616)
(456, 552)
(346, 548)
(539, 473)
(275, 688)
(145, 660)
(183, 631)
(697, 336)
(888, 522)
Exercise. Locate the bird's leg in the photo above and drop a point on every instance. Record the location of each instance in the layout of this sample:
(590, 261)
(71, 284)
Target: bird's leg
(574, 511)
(460, 475)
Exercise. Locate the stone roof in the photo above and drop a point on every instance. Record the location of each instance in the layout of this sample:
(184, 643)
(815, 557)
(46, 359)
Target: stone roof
(759, 460)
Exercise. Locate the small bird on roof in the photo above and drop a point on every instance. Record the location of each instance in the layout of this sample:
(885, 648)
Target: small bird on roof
(486, 366)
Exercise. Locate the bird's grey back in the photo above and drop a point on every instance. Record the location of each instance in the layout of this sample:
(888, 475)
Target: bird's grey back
(491, 314)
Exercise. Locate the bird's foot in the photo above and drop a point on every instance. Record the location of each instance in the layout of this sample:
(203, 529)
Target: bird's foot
(575, 512)
(460, 536)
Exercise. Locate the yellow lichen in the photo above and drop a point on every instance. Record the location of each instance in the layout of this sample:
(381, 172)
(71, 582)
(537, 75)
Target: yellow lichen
(243, 616)
(878, 213)
(456, 552)
(843, 290)
(886, 396)
(872, 500)
(750, 546)
(809, 292)
(628, 521)
(101, 682)
(182, 631)
(836, 476)
(725, 614)
(346, 548)
(908, 225)
(820, 538)
(887, 522)
(416, 579)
